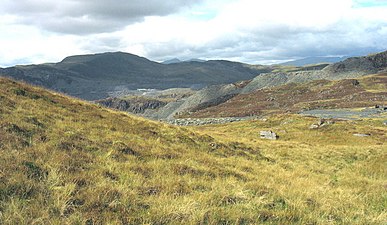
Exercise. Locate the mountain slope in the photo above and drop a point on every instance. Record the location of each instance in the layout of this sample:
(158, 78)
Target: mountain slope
(65, 161)
(94, 76)
(294, 97)
(68, 161)
(313, 60)
(350, 68)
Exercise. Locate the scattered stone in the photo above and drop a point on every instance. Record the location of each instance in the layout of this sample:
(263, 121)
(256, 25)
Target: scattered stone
(362, 135)
(383, 107)
(268, 135)
(322, 122)
(355, 82)
(314, 126)
(205, 121)
(385, 123)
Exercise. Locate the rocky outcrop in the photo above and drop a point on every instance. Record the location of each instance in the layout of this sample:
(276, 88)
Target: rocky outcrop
(204, 121)
(362, 135)
(135, 105)
(268, 135)
(321, 123)
(350, 68)
(204, 98)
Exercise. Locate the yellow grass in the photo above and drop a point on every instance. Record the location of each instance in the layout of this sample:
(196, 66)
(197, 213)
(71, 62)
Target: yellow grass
(65, 161)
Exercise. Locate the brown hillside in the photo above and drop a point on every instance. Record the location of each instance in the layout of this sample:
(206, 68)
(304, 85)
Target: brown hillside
(348, 93)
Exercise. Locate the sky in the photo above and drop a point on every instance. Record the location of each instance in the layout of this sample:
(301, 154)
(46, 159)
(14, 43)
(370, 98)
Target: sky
(250, 31)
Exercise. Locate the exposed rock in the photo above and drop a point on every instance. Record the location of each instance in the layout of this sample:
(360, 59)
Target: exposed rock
(383, 107)
(314, 126)
(205, 121)
(350, 68)
(134, 105)
(210, 96)
(268, 135)
(385, 123)
(320, 123)
(362, 135)
(355, 82)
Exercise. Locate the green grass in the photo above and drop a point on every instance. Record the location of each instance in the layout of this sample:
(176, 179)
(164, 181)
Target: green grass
(65, 161)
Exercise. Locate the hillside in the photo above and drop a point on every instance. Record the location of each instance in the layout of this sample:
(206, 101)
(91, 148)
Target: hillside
(65, 161)
(68, 161)
(313, 60)
(295, 97)
(353, 67)
(93, 77)
(293, 89)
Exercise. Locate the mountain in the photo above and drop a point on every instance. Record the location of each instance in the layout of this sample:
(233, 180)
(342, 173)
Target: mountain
(350, 68)
(330, 87)
(176, 60)
(366, 91)
(171, 61)
(195, 60)
(95, 76)
(253, 96)
(313, 61)
(67, 161)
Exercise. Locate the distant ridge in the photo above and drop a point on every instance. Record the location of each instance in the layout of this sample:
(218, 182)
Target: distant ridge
(176, 60)
(349, 68)
(171, 61)
(94, 76)
(313, 60)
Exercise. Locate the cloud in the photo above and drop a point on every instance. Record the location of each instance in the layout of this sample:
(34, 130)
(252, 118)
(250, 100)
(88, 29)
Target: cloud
(265, 31)
(242, 30)
(88, 16)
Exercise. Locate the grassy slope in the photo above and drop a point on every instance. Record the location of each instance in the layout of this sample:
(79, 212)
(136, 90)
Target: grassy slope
(327, 175)
(67, 161)
(293, 97)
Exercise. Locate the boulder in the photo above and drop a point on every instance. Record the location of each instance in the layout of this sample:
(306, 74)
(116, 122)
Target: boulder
(314, 126)
(320, 123)
(268, 135)
(362, 135)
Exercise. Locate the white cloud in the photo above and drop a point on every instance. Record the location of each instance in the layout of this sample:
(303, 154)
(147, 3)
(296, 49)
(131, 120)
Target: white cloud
(246, 30)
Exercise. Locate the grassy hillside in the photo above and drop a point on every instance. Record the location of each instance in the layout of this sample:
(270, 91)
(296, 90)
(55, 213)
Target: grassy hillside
(324, 176)
(294, 97)
(65, 161)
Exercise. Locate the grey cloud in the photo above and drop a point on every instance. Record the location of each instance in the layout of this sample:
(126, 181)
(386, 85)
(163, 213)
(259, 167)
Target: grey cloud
(95, 43)
(281, 43)
(88, 16)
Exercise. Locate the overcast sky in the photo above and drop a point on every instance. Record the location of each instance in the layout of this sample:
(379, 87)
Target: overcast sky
(252, 31)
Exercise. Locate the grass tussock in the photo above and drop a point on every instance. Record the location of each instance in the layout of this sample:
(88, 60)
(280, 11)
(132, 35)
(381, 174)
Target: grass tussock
(64, 161)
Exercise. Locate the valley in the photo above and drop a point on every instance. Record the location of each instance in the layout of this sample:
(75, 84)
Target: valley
(190, 155)
(68, 161)
(203, 112)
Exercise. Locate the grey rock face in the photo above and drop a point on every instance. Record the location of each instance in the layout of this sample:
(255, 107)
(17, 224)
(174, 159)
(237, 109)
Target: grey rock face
(204, 121)
(349, 68)
(268, 135)
(321, 123)
(362, 135)
(206, 97)
(137, 106)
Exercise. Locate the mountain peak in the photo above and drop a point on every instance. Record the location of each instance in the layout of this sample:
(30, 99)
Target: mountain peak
(105, 55)
(171, 61)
